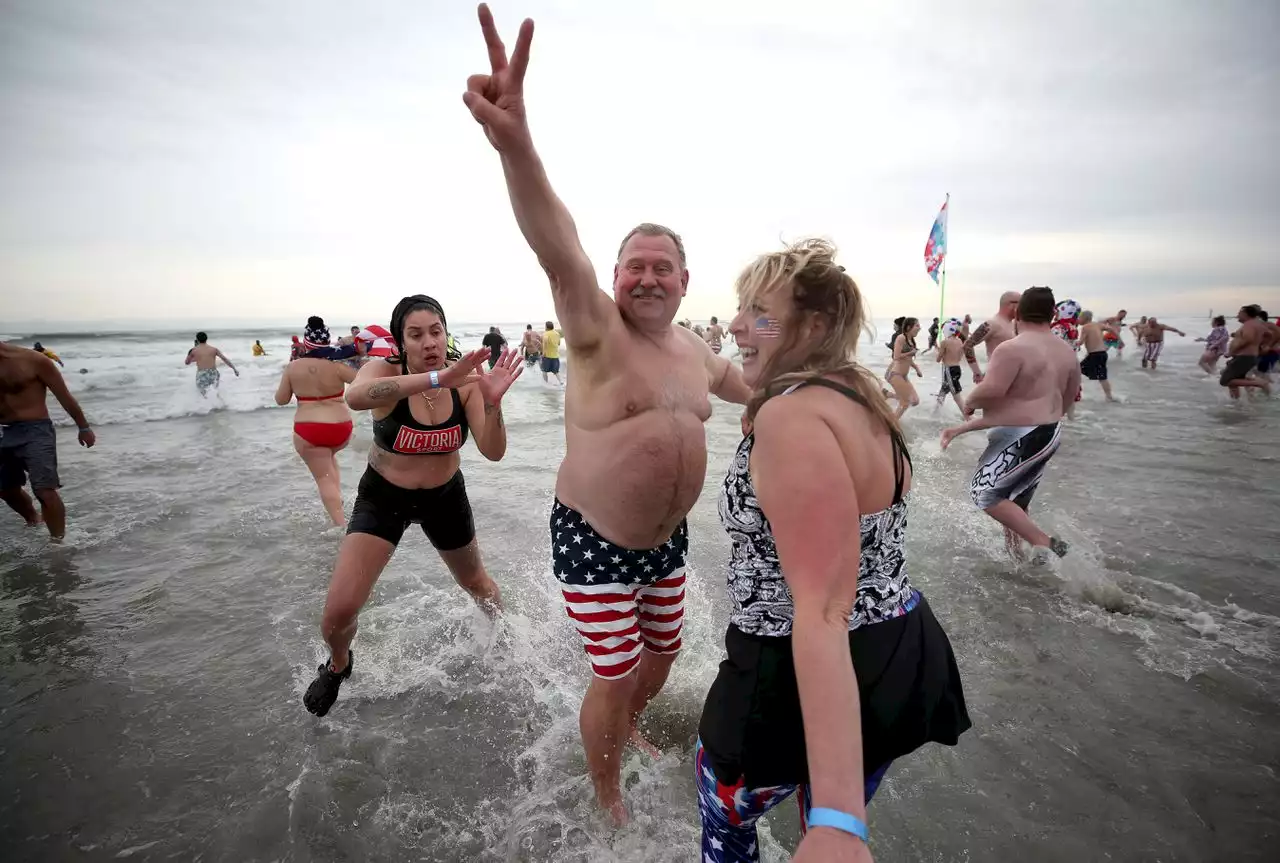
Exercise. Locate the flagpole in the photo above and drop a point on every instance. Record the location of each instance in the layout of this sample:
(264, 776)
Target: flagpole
(942, 285)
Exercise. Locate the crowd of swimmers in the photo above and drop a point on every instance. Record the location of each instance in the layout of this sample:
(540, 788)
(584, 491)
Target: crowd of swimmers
(836, 666)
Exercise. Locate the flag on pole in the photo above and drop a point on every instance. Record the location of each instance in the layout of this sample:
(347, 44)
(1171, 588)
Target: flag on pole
(935, 249)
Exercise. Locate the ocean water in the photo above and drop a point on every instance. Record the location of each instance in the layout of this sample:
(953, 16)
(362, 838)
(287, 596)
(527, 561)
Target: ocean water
(1126, 702)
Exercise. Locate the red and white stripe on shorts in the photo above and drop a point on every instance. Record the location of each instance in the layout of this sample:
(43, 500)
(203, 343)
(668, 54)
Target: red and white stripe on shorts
(616, 620)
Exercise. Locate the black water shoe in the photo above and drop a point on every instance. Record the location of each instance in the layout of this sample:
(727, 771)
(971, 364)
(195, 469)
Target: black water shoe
(323, 691)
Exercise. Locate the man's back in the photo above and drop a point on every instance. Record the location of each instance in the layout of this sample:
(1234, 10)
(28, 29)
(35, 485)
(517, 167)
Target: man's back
(1092, 336)
(1043, 369)
(551, 345)
(951, 351)
(22, 392)
(205, 356)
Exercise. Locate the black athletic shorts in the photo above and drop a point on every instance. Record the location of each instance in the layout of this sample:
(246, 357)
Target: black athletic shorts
(1236, 368)
(1094, 366)
(384, 509)
(950, 380)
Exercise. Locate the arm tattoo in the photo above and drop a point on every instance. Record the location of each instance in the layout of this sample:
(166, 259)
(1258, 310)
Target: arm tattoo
(494, 409)
(382, 389)
(976, 338)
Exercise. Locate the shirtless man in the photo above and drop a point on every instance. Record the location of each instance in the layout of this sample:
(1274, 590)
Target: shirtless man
(206, 357)
(992, 332)
(1269, 349)
(1246, 345)
(1139, 330)
(1116, 322)
(950, 351)
(1093, 336)
(530, 345)
(1031, 383)
(1153, 341)
(714, 335)
(27, 441)
(636, 451)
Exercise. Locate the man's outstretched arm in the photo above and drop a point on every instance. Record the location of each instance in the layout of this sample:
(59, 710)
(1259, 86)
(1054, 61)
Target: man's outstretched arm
(496, 101)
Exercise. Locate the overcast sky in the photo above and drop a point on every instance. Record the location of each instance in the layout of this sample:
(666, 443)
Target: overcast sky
(279, 158)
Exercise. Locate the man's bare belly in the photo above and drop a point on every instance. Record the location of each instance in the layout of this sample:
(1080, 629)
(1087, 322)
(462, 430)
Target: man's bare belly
(636, 479)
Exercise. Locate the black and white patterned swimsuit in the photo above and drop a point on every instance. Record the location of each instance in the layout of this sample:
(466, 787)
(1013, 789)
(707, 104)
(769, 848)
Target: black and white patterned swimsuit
(909, 687)
(761, 602)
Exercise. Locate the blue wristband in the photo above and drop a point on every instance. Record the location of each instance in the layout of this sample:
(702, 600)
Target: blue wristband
(435, 380)
(843, 821)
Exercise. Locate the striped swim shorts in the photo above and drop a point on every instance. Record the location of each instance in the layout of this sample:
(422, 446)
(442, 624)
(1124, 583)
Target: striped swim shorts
(620, 599)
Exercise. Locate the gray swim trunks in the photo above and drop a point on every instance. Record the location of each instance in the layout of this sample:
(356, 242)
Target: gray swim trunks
(1013, 463)
(206, 378)
(28, 448)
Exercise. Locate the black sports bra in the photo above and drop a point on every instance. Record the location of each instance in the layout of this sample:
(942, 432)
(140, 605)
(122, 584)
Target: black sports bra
(399, 432)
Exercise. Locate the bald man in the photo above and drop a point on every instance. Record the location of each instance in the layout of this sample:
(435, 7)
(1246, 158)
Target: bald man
(992, 332)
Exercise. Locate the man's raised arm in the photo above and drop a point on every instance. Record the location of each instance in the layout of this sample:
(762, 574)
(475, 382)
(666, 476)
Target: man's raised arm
(496, 101)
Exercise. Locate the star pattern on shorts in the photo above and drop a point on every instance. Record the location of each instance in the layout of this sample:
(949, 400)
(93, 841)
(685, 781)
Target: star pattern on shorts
(581, 556)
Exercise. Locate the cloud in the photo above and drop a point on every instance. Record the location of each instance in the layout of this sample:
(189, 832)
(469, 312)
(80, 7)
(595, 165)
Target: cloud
(238, 158)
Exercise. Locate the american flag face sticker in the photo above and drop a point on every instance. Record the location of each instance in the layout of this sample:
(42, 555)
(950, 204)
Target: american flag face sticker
(768, 328)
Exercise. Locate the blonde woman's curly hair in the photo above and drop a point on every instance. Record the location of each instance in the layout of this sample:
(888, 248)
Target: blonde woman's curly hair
(819, 287)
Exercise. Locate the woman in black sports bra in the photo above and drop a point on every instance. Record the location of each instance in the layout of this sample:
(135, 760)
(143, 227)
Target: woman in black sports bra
(423, 411)
(835, 664)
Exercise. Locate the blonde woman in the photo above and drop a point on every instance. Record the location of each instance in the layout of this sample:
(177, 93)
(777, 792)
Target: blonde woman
(836, 665)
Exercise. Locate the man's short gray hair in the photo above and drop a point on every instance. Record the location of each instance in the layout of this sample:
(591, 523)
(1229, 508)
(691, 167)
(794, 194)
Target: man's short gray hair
(649, 229)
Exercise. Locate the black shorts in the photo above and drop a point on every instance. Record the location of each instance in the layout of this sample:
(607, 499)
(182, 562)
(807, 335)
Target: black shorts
(950, 380)
(1267, 362)
(1236, 368)
(909, 691)
(29, 448)
(551, 365)
(1094, 366)
(384, 509)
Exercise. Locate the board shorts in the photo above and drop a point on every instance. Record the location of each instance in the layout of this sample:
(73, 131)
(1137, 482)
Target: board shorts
(28, 449)
(324, 434)
(1094, 366)
(530, 359)
(1236, 369)
(619, 599)
(1267, 362)
(551, 365)
(1013, 463)
(950, 380)
(385, 510)
(206, 378)
(1151, 351)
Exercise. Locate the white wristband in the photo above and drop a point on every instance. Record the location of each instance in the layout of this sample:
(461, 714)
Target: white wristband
(435, 380)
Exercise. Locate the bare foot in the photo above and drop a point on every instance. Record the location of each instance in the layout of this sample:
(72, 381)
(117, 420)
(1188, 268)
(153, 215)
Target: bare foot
(639, 741)
(618, 814)
(948, 435)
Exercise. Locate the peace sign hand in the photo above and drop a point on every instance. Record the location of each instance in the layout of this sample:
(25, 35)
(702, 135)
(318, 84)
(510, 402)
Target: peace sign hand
(494, 385)
(496, 100)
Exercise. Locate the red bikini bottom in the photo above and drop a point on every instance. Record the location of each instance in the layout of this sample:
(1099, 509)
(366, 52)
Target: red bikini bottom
(324, 434)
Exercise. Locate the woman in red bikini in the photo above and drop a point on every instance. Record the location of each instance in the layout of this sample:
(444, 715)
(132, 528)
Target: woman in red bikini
(322, 425)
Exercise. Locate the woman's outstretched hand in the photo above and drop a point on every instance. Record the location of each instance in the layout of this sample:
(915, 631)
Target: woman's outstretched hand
(495, 384)
(464, 372)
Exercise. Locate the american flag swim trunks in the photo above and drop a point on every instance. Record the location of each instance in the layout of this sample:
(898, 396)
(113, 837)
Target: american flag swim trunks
(620, 599)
